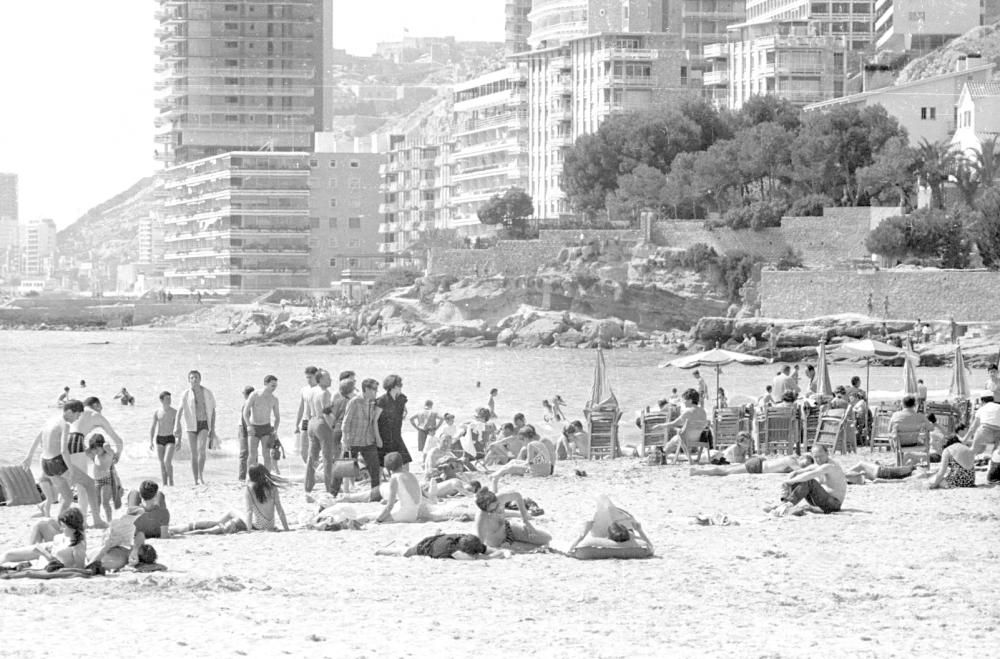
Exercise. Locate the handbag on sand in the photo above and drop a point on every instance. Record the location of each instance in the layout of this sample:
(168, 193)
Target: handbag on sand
(346, 468)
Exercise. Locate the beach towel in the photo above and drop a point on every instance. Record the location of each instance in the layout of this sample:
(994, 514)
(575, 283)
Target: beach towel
(17, 486)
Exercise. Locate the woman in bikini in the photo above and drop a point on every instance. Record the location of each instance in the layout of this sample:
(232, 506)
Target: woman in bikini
(496, 531)
(67, 550)
(262, 500)
(958, 466)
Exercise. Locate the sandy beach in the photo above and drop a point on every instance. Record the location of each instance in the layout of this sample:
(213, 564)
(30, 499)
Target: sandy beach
(900, 572)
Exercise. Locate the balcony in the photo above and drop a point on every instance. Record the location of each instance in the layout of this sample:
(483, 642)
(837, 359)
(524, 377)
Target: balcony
(715, 78)
(626, 54)
(716, 51)
(388, 207)
(621, 80)
(561, 62)
(563, 86)
(428, 183)
(387, 248)
(560, 141)
(559, 114)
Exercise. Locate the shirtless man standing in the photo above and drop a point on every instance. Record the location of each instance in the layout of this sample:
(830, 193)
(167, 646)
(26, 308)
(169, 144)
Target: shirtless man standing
(197, 413)
(54, 464)
(496, 531)
(76, 445)
(822, 485)
(257, 413)
(320, 432)
(301, 418)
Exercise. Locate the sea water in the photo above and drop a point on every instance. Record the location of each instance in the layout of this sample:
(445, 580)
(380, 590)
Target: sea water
(37, 365)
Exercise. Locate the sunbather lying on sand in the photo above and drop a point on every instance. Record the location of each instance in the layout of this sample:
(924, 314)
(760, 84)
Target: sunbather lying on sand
(756, 465)
(611, 527)
(863, 471)
(459, 546)
(262, 501)
(496, 531)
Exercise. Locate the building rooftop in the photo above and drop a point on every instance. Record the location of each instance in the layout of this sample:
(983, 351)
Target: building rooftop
(981, 89)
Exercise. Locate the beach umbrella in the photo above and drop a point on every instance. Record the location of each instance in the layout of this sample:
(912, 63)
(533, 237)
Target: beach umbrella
(868, 350)
(824, 388)
(601, 394)
(959, 387)
(716, 358)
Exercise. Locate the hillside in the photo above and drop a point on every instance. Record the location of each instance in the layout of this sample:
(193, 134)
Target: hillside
(984, 40)
(110, 229)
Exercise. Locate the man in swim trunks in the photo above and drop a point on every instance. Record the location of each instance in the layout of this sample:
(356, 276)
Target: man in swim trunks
(857, 474)
(822, 485)
(196, 413)
(537, 457)
(91, 420)
(756, 465)
(54, 465)
(301, 418)
(257, 412)
(496, 531)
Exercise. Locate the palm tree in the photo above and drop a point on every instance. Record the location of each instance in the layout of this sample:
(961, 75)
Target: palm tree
(937, 162)
(985, 162)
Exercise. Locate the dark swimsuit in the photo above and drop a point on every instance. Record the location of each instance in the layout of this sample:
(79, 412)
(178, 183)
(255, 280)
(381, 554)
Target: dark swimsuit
(76, 443)
(54, 466)
(163, 440)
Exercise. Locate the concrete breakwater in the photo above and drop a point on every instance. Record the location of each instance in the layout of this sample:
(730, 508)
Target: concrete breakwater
(86, 313)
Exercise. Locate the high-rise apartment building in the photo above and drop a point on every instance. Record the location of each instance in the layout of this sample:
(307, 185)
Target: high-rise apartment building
(922, 25)
(9, 238)
(516, 26)
(344, 198)
(701, 22)
(240, 76)
(848, 20)
(38, 244)
(491, 148)
(592, 59)
(238, 222)
(150, 234)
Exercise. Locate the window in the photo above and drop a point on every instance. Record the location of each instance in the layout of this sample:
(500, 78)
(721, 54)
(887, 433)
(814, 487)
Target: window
(332, 222)
(313, 222)
(353, 183)
(333, 243)
(354, 242)
(230, 26)
(354, 223)
(232, 8)
(928, 113)
(333, 164)
(333, 203)
(232, 44)
(232, 99)
(232, 81)
(333, 263)
(231, 63)
(232, 118)
(313, 163)
(355, 164)
(353, 263)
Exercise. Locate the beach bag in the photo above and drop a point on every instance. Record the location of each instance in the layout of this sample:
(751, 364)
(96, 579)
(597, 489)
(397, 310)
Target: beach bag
(346, 468)
(706, 437)
(17, 487)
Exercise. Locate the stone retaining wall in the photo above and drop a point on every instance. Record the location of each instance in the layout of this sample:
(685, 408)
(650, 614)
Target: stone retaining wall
(925, 294)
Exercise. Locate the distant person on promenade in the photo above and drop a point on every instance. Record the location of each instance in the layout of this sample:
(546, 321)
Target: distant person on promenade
(361, 434)
(162, 433)
(55, 465)
(392, 404)
(196, 414)
(823, 485)
(301, 419)
(261, 407)
(321, 438)
(771, 334)
(243, 433)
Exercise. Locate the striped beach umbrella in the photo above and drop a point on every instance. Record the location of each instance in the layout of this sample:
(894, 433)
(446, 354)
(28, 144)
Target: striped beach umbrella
(959, 387)
(823, 387)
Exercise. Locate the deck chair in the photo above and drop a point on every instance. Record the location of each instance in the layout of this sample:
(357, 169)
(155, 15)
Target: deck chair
(648, 422)
(777, 430)
(880, 437)
(687, 446)
(946, 415)
(727, 426)
(915, 442)
(809, 423)
(830, 432)
(603, 427)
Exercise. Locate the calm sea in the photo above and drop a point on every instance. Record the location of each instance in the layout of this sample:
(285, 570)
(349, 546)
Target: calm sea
(37, 365)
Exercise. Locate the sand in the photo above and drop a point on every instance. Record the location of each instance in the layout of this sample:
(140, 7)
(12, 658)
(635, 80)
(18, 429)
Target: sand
(901, 572)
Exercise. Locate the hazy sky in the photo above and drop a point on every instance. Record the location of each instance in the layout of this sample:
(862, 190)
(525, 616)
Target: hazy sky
(76, 86)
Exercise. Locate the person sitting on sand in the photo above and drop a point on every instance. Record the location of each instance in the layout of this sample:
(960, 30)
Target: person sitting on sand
(737, 452)
(756, 465)
(611, 527)
(575, 441)
(67, 550)
(156, 515)
(459, 546)
(262, 501)
(958, 466)
(402, 504)
(505, 448)
(122, 543)
(496, 531)
(863, 471)
(537, 458)
(688, 426)
(823, 485)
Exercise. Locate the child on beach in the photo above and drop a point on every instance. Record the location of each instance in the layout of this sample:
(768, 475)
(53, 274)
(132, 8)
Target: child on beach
(103, 458)
(162, 433)
(277, 453)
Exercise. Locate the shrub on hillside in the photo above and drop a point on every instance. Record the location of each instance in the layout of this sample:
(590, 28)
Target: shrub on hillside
(394, 278)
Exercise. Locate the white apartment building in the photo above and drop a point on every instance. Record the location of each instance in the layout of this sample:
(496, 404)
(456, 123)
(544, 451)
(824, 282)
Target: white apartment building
(850, 21)
(923, 25)
(38, 245)
(491, 148)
